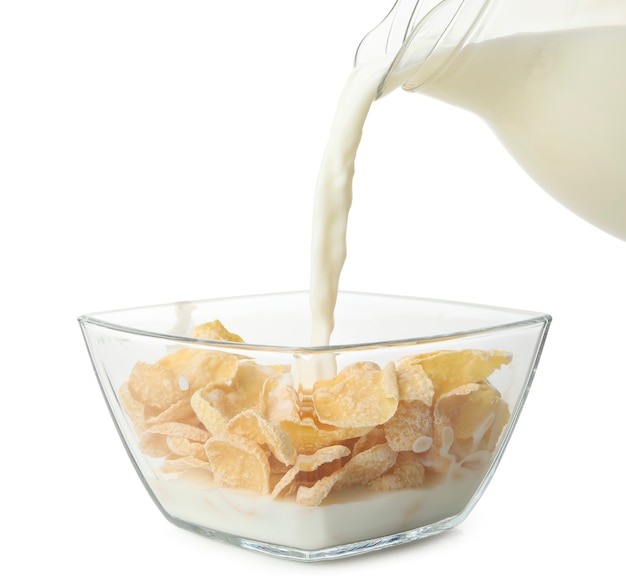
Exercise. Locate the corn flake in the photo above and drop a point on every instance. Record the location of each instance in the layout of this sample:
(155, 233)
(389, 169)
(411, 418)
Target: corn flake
(215, 330)
(278, 400)
(179, 429)
(212, 419)
(376, 436)
(154, 385)
(238, 462)
(413, 382)
(410, 427)
(184, 447)
(407, 473)
(360, 395)
(250, 423)
(450, 369)
(309, 463)
(307, 435)
(477, 415)
(180, 411)
(358, 471)
(201, 368)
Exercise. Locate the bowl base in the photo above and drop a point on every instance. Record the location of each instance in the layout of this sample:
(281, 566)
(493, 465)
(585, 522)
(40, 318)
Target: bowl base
(328, 553)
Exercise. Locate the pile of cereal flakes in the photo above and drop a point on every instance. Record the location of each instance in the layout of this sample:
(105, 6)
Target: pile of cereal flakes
(249, 428)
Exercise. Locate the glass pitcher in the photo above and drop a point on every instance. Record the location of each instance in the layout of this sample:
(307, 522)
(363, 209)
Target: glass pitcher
(548, 76)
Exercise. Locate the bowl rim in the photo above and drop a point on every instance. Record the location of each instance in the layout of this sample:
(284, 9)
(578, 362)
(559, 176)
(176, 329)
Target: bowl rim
(525, 318)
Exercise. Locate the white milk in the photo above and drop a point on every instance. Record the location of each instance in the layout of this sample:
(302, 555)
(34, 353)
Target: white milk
(350, 516)
(333, 196)
(558, 103)
(556, 100)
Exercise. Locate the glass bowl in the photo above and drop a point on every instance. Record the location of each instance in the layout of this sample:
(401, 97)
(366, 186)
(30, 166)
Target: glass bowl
(388, 436)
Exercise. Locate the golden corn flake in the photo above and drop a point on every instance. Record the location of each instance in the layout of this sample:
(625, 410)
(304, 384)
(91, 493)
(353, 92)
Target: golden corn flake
(477, 415)
(322, 456)
(309, 463)
(246, 388)
(201, 367)
(410, 428)
(180, 411)
(278, 400)
(184, 447)
(413, 382)
(376, 436)
(365, 466)
(154, 385)
(360, 395)
(250, 423)
(407, 473)
(276, 467)
(212, 419)
(308, 436)
(232, 402)
(358, 471)
(218, 404)
(450, 369)
(215, 330)
(252, 376)
(179, 429)
(238, 462)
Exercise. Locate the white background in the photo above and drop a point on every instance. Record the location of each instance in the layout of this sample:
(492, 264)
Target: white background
(160, 151)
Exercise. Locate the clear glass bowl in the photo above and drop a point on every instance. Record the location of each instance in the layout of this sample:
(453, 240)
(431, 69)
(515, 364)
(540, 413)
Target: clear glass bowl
(388, 436)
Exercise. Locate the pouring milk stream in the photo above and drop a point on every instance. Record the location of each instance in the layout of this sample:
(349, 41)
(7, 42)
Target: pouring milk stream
(548, 76)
